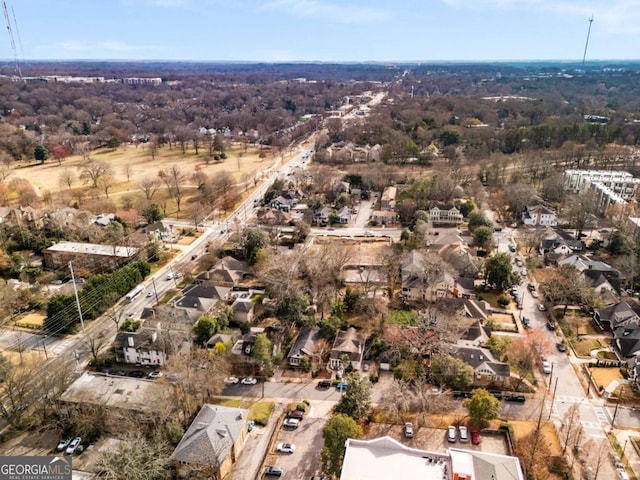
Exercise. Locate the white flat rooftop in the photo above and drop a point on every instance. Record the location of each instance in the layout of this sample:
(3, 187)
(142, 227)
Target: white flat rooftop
(93, 249)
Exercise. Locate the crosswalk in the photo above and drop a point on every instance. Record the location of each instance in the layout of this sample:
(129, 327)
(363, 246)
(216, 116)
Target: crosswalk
(592, 428)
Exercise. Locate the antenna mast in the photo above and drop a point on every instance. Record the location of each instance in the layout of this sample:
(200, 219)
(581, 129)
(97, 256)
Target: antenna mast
(587, 42)
(13, 43)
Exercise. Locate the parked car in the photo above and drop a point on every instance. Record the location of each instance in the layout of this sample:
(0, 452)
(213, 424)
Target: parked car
(231, 380)
(547, 367)
(137, 374)
(285, 448)
(154, 374)
(249, 381)
(534, 294)
(497, 395)
(512, 397)
(512, 248)
(73, 446)
(526, 322)
(342, 385)
(63, 444)
(149, 294)
(541, 307)
(523, 272)
(560, 346)
(551, 326)
(324, 384)
(463, 434)
(408, 430)
(297, 414)
(291, 422)
(475, 437)
(531, 287)
(273, 471)
(451, 434)
(169, 276)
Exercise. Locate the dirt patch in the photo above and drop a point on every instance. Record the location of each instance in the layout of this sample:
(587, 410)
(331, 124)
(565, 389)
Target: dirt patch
(502, 322)
(584, 346)
(522, 429)
(31, 443)
(604, 376)
(28, 357)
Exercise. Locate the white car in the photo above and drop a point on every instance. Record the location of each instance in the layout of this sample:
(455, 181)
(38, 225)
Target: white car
(463, 434)
(534, 294)
(249, 381)
(73, 446)
(149, 294)
(169, 276)
(546, 367)
(285, 448)
(231, 380)
(155, 374)
(63, 444)
(541, 307)
(451, 433)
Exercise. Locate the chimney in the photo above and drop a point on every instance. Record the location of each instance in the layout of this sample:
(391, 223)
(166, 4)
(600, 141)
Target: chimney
(130, 341)
(154, 335)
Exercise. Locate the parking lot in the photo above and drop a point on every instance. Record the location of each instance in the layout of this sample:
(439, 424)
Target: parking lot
(307, 438)
(435, 439)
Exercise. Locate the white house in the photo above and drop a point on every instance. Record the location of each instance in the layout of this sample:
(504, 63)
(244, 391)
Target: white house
(539, 215)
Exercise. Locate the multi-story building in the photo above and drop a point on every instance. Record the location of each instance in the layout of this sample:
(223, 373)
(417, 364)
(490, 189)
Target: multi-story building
(539, 215)
(96, 258)
(622, 184)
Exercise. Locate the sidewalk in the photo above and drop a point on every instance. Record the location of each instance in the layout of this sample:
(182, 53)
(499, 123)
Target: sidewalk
(256, 447)
(630, 456)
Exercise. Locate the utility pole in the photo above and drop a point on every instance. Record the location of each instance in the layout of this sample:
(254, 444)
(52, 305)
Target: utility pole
(155, 290)
(615, 412)
(584, 56)
(553, 398)
(75, 290)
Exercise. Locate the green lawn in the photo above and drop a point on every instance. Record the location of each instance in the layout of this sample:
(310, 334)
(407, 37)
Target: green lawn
(407, 318)
(261, 411)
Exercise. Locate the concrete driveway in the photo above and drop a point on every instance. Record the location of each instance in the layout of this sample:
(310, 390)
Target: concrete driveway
(305, 461)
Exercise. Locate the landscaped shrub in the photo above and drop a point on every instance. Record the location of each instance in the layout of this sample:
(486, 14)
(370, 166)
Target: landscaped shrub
(503, 300)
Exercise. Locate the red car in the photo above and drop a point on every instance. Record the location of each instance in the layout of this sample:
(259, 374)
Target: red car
(475, 437)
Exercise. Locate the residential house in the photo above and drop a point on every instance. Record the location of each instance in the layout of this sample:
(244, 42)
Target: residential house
(280, 203)
(201, 299)
(223, 338)
(25, 217)
(94, 257)
(274, 216)
(321, 215)
(159, 232)
(350, 343)
(147, 347)
(383, 458)
(486, 369)
(242, 310)
(445, 214)
(465, 307)
(388, 199)
(558, 242)
(226, 272)
(476, 335)
(423, 279)
(384, 217)
(306, 345)
(244, 345)
(213, 442)
(344, 215)
(539, 215)
(340, 186)
(464, 287)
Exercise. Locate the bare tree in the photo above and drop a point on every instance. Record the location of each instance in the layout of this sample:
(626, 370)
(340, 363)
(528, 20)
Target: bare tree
(149, 186)
(93, 170)
(174, 179)
(127, 171)
(570, 427)
(96, 342)
(105, 182)
(598, 451)
(66, 178)
(136, 457)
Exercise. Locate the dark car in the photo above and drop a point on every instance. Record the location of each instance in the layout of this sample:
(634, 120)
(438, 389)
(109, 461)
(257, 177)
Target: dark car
(297, 414)
(512, 397)
(457, 394)
(497, 395)
(560, 346)
(324, 384)
(273, 471)
(551, 326)
(526, 322)
(137, 374)
(120, 373)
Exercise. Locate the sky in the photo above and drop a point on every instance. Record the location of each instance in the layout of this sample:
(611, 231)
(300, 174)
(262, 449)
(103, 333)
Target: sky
(323, 30)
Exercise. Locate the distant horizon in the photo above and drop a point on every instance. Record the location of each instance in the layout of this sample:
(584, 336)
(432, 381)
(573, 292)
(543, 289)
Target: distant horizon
(323, 31)
(11, 61)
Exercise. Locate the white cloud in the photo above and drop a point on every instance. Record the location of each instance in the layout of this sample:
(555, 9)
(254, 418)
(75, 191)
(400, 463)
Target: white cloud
(335, 12)
(612, 16)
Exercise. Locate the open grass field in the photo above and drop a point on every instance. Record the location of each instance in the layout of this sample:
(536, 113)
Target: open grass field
(35, 319)
(29, 357)
(131, 164)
